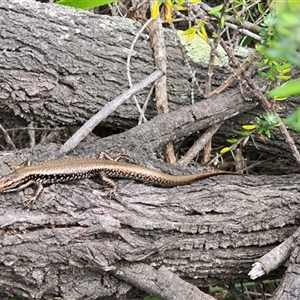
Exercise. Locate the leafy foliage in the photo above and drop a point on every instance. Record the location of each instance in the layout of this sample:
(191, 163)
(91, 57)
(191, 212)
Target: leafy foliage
(261, 128)
(274, 67)
(294, 120)
(197, 29)
(280, 47)
(265, 124)
(290, 88)
(286, 32)
(167, 6)
(84, 4)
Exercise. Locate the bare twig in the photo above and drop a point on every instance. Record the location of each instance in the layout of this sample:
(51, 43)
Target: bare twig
(246, 24)
(213, 53)
(36, 128)
(128, 66)
(273, 259)
(188, 66)
(7, 138)
(146, 103)
(199, 145)
(51, 137)
(160, 57)
(87, 128)
(233, 76)
(243, 31)
(31, 133)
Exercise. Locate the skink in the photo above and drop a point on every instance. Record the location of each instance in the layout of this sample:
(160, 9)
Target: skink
(68, 169)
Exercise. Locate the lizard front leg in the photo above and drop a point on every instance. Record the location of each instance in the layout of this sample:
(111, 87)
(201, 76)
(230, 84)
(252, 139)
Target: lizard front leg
(32, 197)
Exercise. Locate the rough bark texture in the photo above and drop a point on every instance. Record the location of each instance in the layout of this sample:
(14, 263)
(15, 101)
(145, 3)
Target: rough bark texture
(65, 64)
(60, 66)
(290, 285)
(75, 242)
(74, 236)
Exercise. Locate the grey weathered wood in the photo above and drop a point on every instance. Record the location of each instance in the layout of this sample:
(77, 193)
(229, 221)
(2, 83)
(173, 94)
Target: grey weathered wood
(176, 125)
(290, 285)
(74, 241)
(65, 64)
(60, 66)
(208, 232)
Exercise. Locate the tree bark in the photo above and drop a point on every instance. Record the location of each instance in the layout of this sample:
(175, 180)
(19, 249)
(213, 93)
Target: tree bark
(76, 243)
(290, 286)
(66, 64)
(61, 66)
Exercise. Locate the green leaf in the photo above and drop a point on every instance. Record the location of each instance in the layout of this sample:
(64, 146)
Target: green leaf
(290, 88)
(261, 130)
(270, 118)
(232, 141)
(224, 150)
(84, 4)
(263, 74)
(245, 133)
(260, 9)
(249, 127)
(222, 21)
(233, 156)
(254, 143)
(294, 120)
(215, 10)
(283, 77)
(268, 133)
(155, 10)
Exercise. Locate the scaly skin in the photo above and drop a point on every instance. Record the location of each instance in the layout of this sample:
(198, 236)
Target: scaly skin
(68, 169)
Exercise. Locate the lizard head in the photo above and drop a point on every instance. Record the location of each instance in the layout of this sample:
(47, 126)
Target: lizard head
(13, 181)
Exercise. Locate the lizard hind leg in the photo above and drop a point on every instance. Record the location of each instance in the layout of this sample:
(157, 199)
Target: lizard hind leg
(110, 186)
(115, 157)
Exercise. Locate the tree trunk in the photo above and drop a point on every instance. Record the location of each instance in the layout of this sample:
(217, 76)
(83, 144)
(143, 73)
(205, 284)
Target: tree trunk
(74, 242)
(59, 57)
(65, 65)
